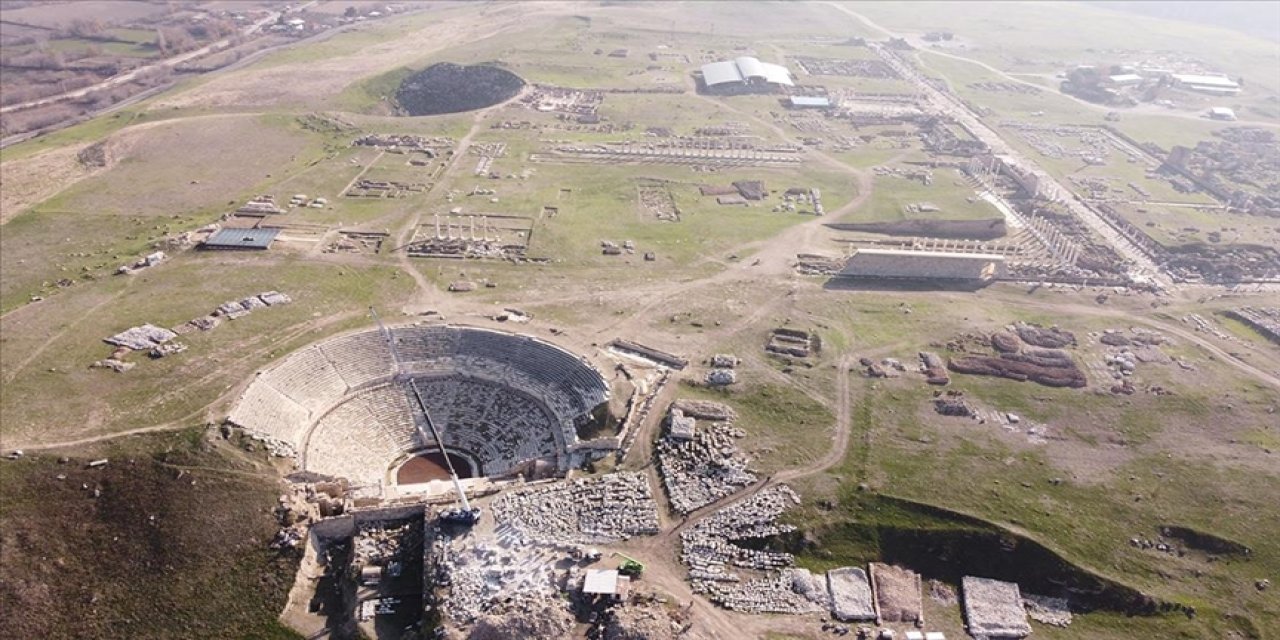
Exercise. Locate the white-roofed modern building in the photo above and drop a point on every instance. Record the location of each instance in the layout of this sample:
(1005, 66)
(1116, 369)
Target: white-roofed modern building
(744, 74)
(1213, 84)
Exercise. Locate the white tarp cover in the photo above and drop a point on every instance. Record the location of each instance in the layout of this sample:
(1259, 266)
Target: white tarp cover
(745, 68)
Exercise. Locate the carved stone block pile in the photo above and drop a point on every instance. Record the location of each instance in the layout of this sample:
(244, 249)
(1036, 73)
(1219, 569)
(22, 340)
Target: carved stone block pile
(701, 470)
(584, 511)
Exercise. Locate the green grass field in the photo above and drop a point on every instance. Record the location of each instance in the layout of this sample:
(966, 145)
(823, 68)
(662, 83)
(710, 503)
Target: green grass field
(953, 197)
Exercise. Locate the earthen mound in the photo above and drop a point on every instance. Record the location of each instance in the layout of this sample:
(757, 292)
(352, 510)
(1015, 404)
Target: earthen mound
(1052, 338)
(449, 88)
(1005, 342)
(1050, 371)
(640, 623)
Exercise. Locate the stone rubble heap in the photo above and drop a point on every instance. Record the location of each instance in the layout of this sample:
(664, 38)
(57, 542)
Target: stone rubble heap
(637, 619)
(585, 510)
(234, 309)
(380, 543)
(480, 574)
(243, 307)
(705, 410)
(790, 591)
(722, 370)
(141, 338)
(1054, 612)
(524, 617)
(275, 446)
(168, 349)
(994, 608)
(708, 550)
(953, 404)
(704, 469)
(850, 592)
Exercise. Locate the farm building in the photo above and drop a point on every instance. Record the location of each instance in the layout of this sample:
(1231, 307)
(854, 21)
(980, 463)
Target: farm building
(605, 582)
(1215, 84)
(1125, 79)
(901, 264)
(744, 75)
(1222, 113)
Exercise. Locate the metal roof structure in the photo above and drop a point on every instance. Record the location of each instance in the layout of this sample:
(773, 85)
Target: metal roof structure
(745, 69)
(1222, 82)
(810, 101)
(1125, 78)
(242, 239)
(602, 582)
(923, 265)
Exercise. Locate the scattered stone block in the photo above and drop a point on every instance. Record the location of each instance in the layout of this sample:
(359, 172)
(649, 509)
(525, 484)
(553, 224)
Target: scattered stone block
(142, 338)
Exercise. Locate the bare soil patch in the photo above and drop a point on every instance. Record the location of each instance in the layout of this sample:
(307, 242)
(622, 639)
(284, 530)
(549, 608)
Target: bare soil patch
(31, 180)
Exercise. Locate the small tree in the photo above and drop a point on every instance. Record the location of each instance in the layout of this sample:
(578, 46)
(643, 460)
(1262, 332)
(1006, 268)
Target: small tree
(86, 28)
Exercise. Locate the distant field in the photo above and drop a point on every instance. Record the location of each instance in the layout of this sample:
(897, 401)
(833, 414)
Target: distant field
(1017, 37)
(57, 15)
(137, 43)
(97, 400)
(1176, 226)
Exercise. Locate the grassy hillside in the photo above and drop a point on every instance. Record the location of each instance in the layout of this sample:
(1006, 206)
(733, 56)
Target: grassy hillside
(171, 544)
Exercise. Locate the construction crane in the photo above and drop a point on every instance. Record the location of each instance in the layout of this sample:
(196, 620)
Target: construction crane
(630, 567)
(464, 513)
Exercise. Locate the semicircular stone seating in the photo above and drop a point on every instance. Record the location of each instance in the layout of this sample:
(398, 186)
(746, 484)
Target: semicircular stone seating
(503, 398)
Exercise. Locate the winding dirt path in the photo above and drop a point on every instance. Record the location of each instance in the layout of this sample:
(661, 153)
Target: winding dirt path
(428, 294)
(175, 425)
(835, 454)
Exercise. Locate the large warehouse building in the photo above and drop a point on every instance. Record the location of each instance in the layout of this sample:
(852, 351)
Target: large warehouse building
(744, 75)
(900, 264)
(1218, 85)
